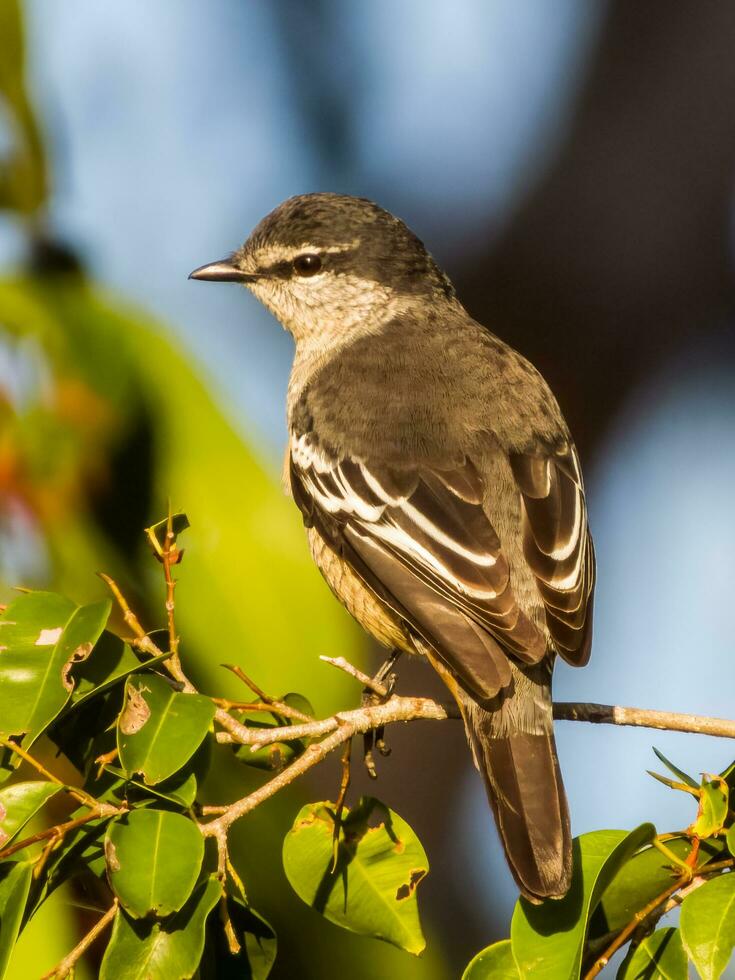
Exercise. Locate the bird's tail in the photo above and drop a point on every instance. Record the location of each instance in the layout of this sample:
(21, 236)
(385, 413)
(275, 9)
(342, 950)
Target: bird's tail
(524, 786)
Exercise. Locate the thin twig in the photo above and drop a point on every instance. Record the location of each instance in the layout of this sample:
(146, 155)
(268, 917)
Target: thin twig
(639, 917)
(273, 707)
(280, 707)
(66, 966)
(170, 556)
(359, 675)
(671, 721)
(60, 830)
(79, 795)
(365, 719)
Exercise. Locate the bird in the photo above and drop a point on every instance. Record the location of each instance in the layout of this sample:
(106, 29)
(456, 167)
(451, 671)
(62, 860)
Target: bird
(440, 489)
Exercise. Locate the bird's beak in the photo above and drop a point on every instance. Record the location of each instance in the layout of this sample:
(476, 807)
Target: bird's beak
(222, 271)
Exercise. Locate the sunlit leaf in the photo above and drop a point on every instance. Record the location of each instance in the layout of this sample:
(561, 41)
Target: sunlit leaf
(494, 963)
(153, 860)
(169, 950)
(42, 635)
(659, 956)
(159, 728)
(372, 889)
(713, 805)
(708, 925)
(19, 802)
(679, 773)
(731, 840)
(15, 883)
(548, 939)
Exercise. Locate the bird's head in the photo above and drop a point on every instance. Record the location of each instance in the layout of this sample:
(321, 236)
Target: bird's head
(323, 262)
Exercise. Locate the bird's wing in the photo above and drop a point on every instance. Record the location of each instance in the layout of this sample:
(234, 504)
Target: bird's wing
(558, 546)
(421, 540)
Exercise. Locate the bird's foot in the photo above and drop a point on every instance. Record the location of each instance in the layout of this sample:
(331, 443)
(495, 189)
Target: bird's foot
(380, 690)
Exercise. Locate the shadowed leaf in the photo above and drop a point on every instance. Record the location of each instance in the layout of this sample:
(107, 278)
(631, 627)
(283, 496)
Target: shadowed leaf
(372, 889)
(548, 939)
(169, 950)
(15, 882)
(659, 956)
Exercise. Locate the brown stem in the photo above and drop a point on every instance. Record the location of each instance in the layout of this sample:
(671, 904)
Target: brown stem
(79, 795)
(60, 830)
(622, 937)
(66, 966)
(278, 706)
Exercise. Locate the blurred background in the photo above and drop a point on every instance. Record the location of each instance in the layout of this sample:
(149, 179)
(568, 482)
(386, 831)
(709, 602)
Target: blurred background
(571, 165)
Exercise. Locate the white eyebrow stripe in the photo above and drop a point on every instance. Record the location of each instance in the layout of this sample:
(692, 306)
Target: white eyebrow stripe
(272, 254)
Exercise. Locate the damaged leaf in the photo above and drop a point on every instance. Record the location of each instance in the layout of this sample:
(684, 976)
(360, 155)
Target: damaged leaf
(713, 804)
(42, 636)
(372, 888)
(159, 728)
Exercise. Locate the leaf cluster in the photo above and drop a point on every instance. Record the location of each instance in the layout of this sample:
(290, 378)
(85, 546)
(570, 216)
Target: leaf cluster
(623, 884)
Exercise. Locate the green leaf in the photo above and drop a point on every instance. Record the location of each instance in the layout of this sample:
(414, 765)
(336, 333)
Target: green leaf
(153, 860)
(110, 662)
(640, 879)
(160, 729)
(42, 635)
(713, 804)
(708, 925)
(181, 788)
(168, 950)
(729, 775)
(731, 840)
(494, 963)
(659, 956)
(19, 802)
(372, 889)
(679, 773)
(548, 939)
(271, 758)
(15, 883)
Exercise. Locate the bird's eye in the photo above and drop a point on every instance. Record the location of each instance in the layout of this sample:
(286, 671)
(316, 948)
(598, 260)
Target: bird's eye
(307, 264)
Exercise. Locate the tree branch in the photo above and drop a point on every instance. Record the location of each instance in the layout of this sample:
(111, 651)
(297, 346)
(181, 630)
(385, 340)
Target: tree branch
(412, 709)
(669, 721)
